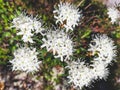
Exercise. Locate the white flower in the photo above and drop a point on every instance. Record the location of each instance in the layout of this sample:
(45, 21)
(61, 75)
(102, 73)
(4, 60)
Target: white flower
(68, 15)
(81, 75)
(104, 47)
(104, 51)
(99, 70)
(113, 11)
(112, 3)
(59, 43)
(25, 59)
(27, 26)
(114, 14)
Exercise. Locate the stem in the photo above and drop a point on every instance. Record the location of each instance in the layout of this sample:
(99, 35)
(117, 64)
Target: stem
(80, 3)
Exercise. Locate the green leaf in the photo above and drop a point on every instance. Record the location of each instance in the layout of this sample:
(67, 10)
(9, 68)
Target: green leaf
(4, 17)
(12, 16)
(3, 51)
(13, 48)
(86, 34)
(1, 10)
(118, 35)
(7, 34)
(1, 27)
(78, 51)
(45, 18)
(48, 77)
(3, 63)
(1, 1)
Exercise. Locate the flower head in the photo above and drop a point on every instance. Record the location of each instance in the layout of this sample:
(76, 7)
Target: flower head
(112, 3)
(59, 43)
(68, 15)
(104, 47)
(27, 26)
(81, 75)
(114, 14)
(99, 70)
(25, 59)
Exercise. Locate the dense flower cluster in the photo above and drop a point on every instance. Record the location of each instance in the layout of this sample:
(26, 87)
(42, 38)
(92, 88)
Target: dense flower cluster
(79, 74)
(59, 43)
(104, 47)
(112, 3)
(82, 75)
(25, 59)
(114, 14)
(99, 70)
(67, 15)
(113, 11)
(27, 26)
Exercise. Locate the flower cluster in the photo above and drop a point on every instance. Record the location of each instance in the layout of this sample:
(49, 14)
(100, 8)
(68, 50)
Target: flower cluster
(67, 15)
(114, 14)
(104, 47)
(79, 74)
(59, 43)
(112, 3)
(82, 75)
(27, 26)
(25, 59)
(99, 70)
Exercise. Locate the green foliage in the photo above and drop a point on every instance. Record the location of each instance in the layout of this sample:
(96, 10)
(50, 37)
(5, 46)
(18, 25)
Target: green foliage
(117, 32)
(8, 36)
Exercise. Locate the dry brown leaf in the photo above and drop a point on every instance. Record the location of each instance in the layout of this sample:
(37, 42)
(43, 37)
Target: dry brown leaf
(2, 86)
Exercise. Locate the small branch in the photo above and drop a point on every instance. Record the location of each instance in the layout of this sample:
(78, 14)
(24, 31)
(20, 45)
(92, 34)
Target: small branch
(80, 3)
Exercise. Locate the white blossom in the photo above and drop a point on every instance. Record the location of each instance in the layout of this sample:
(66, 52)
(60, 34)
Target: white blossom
(27, 26)
(114, 14)
(113, 10)
(104, 51)
(68, 15)
(104, 47)
(112, 3)
(81, 75)
(59, 43)
(99, 70)
(25, 59)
